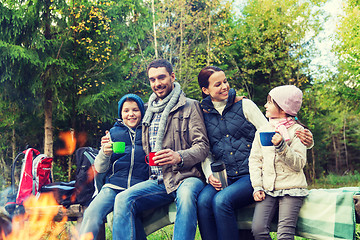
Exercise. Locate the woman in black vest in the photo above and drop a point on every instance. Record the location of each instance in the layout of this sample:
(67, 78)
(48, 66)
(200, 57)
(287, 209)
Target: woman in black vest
(231, 124)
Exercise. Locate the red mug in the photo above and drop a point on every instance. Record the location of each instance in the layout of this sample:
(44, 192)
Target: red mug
(149, 159)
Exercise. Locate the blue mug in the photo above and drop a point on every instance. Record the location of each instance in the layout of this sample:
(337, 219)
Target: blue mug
(265, 138)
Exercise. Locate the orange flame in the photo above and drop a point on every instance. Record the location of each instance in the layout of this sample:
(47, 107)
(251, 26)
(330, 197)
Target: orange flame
(70, 143)
(38, 221)
(70, 140)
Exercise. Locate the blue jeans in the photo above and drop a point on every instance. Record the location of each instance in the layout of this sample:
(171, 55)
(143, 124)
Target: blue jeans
(288, 207)
(216, 209)
(149, 194)
(97, 211)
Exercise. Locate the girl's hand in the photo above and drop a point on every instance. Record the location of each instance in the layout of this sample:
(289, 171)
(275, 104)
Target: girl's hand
(259, 196)
(305, 137)
(215, 182)
(276, 139)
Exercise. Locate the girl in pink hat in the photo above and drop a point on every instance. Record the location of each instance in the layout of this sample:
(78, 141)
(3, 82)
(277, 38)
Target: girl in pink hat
(276, 172)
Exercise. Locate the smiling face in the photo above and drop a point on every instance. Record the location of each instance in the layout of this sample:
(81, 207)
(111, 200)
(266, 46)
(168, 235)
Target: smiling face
(130, 113)
(218, 88)
(273, 110)
(161, 81)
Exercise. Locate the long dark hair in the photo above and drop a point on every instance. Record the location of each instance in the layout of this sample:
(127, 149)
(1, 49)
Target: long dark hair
(204, 75)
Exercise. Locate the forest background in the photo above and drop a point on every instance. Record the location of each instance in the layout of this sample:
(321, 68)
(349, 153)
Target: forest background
(64, 64)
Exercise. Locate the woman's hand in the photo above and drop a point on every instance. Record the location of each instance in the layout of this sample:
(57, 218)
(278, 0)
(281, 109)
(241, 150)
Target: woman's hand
(215, 182)
(305, 137)
(259, 196)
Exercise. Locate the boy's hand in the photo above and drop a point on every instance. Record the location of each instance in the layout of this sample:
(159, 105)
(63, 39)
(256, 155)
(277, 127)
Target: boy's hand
(106, 138)
(107, 148)
(259, 196)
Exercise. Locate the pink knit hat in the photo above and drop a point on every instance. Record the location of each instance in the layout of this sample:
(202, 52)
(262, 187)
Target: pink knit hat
(288, 97)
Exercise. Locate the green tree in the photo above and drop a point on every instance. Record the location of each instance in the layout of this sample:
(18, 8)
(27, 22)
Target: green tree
(63, 62)
(185, 31)
(335, 127)
(348, 51)
(270, 47)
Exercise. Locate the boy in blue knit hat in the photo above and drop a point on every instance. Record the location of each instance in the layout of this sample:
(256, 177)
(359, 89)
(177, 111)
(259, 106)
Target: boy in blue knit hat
(123, 169)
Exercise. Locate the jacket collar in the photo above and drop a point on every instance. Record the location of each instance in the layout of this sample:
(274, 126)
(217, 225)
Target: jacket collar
(208, 106)
(181, 102)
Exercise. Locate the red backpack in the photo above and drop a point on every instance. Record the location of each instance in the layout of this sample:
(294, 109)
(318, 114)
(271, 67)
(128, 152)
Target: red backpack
(35, 172)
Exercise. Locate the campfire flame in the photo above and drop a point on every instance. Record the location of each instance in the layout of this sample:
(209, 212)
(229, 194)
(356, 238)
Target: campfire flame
(38, 221)
(70, 140)
(70, 143)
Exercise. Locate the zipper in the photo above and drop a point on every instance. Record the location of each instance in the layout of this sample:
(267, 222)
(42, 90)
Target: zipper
(132, 158)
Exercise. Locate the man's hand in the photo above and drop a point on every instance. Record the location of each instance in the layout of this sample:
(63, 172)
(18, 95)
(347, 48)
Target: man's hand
(167, 156)
(259, 196)
(215, 182)
(305, 137)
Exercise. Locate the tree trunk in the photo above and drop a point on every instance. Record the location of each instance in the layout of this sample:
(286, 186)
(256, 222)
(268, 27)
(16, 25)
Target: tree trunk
(3, 169)
(48, 110)
(154, 28)
(181, 40)
(335, 153)
(345, 145)
(313, 173)
(48, 140)
(208, 40)
(13, 142)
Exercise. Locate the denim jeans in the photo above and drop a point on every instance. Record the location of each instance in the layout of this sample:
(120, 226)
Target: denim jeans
(97, 211)
(149, 194)
(265, 210)
(216, 209)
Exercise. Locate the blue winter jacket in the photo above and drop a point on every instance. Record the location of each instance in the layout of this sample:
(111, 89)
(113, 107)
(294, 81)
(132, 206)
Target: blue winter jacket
(127, 168)
(230, 134)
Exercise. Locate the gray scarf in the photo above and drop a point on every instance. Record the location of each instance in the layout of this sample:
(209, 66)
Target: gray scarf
(163, 106)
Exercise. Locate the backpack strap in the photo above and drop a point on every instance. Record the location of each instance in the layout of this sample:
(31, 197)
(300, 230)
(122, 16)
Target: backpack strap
(13, 171)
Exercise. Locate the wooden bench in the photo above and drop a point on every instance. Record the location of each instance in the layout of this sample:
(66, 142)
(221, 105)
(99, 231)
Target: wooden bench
(325, 213)
(317, 206)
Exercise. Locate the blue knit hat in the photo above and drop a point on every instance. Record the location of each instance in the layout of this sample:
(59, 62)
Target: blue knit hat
(135, 98)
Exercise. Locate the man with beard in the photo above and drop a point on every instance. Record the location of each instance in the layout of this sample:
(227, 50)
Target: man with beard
(173, 127)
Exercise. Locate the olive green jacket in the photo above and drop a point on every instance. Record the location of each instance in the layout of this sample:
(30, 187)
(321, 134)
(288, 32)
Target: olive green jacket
(185, 133)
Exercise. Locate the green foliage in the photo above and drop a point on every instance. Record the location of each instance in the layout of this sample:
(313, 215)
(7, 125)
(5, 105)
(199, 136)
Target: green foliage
(348, 51)
(87, 54)
(267, 48)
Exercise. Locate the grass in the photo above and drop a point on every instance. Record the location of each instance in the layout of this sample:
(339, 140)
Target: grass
(337, 181)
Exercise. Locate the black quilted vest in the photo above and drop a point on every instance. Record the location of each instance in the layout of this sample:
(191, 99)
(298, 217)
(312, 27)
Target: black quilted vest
(230, 135)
